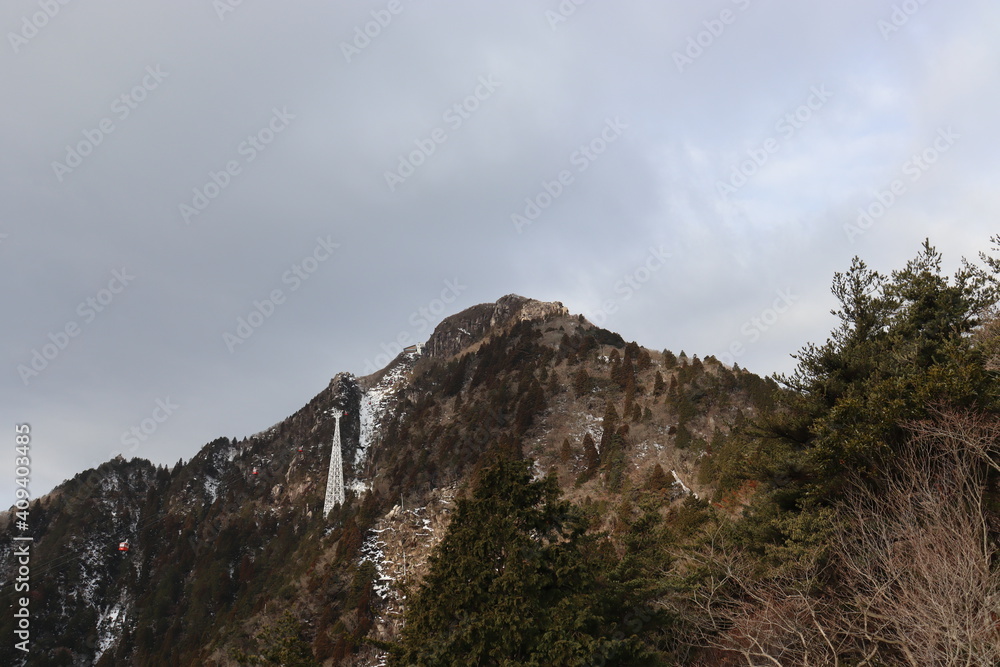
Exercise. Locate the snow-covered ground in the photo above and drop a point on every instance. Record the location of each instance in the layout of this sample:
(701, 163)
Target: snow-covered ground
(399, 547)
(684, 488)
(110, 625)
(357, 486)
(588, 423)
(221, 460)
(211, 489)
(374, 403)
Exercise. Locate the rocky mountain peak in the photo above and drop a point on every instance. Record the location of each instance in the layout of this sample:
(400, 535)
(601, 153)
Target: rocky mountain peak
(458, 331)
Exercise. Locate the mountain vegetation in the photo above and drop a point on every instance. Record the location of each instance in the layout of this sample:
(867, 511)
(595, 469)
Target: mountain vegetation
(535, 490)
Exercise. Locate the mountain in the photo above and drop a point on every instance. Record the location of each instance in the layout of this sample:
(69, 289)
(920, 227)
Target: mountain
(529, 488)
(215, 550)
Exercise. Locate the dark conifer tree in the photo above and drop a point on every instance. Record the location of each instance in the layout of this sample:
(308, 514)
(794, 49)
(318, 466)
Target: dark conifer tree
(591, 457)
(581, 383)
(516, 581)
(608, 426)
(566, 451)
(658, 385)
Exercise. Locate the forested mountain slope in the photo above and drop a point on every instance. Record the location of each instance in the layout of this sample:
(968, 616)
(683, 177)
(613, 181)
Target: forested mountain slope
(530, 489)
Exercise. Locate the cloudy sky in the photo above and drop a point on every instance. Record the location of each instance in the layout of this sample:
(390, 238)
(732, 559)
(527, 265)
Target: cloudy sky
(210, 208)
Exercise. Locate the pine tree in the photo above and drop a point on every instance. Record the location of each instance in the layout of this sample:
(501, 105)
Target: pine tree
(553, 385)
(566, 451)
(591, 457)
(658, 385)
(282, 644)
(531, 404)
(608, 426)
(643, 360)
(657, 479)
(516, 581)
(673, 393)
(903, 343)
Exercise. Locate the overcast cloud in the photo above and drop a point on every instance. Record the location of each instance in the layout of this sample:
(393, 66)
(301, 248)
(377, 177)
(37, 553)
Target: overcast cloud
(168, 169)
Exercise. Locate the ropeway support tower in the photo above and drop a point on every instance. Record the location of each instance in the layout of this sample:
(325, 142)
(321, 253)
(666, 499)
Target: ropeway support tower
(335, 478)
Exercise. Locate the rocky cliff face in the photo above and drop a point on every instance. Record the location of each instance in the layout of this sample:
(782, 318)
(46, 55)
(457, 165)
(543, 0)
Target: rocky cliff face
(458, 331)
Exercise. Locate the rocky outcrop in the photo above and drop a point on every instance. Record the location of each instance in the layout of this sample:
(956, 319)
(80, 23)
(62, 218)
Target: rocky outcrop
(458, 331)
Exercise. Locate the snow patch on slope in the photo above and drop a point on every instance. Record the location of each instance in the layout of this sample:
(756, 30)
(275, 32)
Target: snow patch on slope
(374, 403)
(399, 547)
(110, 625)
(211, 489)
(684, 488)
(588, 423)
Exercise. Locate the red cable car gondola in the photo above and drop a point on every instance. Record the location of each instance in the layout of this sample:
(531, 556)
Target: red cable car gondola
(123, 546)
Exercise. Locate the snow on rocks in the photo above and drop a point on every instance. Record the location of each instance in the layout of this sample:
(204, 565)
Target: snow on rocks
(588, 423)
(374, 404)
(211, 489)
(399, 547)
(110, 626)
(684, 488)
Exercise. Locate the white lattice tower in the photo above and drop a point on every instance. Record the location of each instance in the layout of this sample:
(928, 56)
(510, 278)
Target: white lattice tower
(335, 478)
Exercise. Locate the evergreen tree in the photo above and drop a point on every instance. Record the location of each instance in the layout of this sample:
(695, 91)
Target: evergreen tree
(673, 393)
(591, 457)
(553, 385)
(658, 385)
(282, 644)
(608, 426)
(581, 383)
(657, 480)
(516, 581)
(903, 344)
(629, 402)
(566, 451)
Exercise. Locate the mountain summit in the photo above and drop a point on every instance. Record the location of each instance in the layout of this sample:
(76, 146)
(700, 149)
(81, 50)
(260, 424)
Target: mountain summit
(459, 331)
